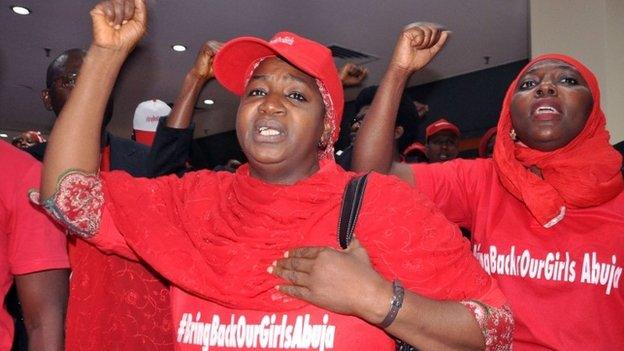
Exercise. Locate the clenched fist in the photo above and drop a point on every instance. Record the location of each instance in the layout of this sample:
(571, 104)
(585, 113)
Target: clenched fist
(203, 63)
(119, 24)
(417, 45)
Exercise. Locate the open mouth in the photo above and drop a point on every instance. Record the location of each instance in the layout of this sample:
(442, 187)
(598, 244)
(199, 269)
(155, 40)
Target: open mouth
(545, 109)
(269, 131)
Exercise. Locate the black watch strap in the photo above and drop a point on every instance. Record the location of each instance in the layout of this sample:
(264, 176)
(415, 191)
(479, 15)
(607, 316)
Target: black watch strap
(398, 293)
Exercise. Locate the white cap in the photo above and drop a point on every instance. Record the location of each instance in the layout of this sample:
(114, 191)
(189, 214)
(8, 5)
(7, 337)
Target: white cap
(147, 114)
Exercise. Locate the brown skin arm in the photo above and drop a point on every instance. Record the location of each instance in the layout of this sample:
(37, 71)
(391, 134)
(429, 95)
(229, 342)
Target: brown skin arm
(43, 296)
(417, 45)
(345, 282)
(182, 113)
(75, 139)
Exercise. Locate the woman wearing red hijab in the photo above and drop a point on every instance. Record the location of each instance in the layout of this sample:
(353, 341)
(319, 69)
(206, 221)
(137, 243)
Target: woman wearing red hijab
(546, 213)
(214, 236)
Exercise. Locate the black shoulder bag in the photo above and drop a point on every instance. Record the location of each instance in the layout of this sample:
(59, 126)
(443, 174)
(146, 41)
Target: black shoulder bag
(349, 211)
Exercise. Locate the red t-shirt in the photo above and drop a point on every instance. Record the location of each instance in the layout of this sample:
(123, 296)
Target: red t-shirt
(202, 325)
(563, 283)
(29, 241)
(241, 225)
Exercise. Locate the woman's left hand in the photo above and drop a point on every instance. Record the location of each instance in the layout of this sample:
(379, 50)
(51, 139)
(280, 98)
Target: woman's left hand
(340, 281)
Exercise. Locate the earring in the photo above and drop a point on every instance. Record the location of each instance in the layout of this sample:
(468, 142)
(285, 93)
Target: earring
(322, 144)
(512, 134)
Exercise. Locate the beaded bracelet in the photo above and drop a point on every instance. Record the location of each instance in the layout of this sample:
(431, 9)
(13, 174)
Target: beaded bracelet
(395, 304)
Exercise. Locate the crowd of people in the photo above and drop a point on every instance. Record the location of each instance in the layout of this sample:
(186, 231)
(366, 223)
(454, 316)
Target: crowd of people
(520, 248)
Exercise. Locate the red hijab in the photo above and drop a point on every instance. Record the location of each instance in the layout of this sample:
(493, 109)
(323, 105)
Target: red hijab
(584, 173)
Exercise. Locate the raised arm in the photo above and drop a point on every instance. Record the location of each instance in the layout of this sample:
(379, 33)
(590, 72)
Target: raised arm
(75, 139)
(172, 145)
(182, 113)
(417, 45)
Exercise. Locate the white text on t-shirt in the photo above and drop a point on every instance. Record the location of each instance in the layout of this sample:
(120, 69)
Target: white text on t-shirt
(554, 266)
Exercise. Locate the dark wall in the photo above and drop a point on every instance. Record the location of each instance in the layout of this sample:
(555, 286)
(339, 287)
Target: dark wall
(472, 101)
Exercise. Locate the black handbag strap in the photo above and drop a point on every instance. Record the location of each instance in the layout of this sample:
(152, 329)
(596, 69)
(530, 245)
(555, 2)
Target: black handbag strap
(351, 203)
(349, 211)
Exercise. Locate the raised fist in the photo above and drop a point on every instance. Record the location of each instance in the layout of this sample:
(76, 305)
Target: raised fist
(352, 75)
(417, 45)
(119, 24)
(203, 63)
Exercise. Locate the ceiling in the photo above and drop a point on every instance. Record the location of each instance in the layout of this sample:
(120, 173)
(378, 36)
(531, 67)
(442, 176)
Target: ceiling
(498, 29)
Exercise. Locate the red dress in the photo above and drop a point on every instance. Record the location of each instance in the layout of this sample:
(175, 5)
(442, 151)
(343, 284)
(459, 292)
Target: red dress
(213, 235)
(115, 303)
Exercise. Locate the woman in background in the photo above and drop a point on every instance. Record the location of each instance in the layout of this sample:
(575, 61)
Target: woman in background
(546, 213)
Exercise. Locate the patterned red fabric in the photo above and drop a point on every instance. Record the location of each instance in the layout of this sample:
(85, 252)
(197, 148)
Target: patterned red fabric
(79, 202)
(495, 323)
(584, 173)
(114, 303)
(214, 234)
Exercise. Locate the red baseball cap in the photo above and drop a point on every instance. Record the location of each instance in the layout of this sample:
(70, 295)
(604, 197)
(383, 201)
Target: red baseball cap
(416, 147)
(440, 125)
(236, 60)
(485, 139)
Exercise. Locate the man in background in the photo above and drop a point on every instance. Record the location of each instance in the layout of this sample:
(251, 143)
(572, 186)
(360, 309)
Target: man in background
(441, 141)
(33, 254)
(404, 130)
(114, 303)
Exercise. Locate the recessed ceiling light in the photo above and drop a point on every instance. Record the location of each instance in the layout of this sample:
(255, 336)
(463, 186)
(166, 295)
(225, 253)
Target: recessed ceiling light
(178, 47)
(208, 102)
(20, 10)
(4, 135)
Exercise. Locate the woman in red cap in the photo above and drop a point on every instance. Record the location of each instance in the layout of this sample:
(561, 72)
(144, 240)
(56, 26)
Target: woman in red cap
(546, 213)
(220, 238)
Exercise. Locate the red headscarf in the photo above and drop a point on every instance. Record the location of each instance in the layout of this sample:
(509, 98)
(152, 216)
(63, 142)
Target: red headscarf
(584, 173)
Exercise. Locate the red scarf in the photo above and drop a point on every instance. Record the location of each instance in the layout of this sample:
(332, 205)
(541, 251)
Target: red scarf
(213, 235)
(584, 173)
(228, 231)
